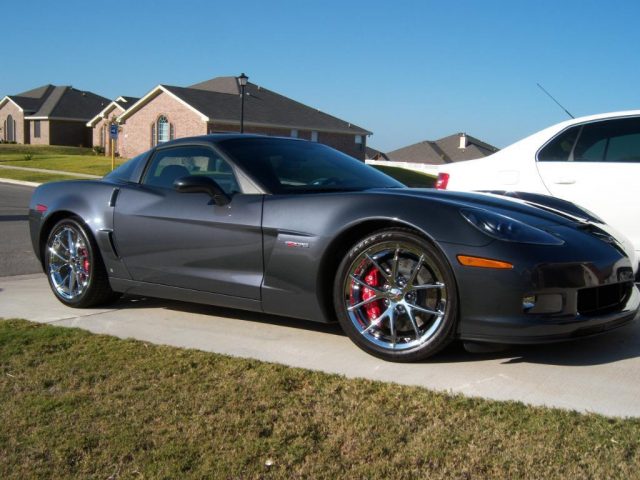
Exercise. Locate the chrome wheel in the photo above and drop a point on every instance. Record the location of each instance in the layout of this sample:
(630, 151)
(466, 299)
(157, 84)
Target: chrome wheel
(395, 295)
(68, 262)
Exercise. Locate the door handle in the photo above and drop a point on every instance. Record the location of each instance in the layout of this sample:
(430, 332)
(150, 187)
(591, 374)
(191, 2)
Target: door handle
(564, 181)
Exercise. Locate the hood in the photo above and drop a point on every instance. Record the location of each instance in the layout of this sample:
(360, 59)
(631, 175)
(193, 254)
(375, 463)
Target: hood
(535, 215)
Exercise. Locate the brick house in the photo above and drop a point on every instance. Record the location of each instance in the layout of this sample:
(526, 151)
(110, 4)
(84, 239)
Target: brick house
(49, 115)
(101, 123)
(213, 106)
(454, 148)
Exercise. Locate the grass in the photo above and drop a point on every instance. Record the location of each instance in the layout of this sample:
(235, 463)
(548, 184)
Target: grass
(410, 178)
(69, 159)
(77, 405)
(13, 148)
(38, 177)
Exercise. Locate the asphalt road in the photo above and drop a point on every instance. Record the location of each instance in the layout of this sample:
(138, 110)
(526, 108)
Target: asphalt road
(16, 255)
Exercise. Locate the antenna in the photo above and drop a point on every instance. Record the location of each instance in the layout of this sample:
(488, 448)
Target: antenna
(557, 102)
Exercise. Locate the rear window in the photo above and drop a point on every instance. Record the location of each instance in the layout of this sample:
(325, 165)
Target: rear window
(612, 141)
(559, 149)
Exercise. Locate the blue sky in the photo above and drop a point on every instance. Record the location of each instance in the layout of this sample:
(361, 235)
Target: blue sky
(406, 70)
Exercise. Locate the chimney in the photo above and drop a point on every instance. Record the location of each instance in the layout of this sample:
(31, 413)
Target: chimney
(463, 141)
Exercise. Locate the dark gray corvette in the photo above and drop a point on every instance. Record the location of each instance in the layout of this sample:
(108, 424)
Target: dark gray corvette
(296, 228)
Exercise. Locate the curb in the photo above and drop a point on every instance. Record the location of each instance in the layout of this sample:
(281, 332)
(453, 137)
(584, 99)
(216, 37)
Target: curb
(19, 182)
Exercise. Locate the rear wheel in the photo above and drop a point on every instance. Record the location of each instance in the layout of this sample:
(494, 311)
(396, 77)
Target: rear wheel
(74, 268)
(395, 296)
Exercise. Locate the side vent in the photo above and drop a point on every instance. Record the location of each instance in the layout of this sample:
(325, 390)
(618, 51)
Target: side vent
(114, 197)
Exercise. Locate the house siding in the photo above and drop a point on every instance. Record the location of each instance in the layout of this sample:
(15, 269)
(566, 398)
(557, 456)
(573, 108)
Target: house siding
(44, 138)
(136, 131)
(11, 109)
(344, 142)
(105, 123)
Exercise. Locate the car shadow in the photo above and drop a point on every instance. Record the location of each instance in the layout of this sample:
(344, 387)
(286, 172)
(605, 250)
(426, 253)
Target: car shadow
(241, 315)
(620, 344)
(13, 218)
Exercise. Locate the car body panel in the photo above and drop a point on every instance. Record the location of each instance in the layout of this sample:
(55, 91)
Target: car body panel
(186, 241)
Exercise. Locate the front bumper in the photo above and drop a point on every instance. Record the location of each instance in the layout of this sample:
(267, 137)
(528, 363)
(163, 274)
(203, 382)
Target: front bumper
(590, 282)
(530, 329)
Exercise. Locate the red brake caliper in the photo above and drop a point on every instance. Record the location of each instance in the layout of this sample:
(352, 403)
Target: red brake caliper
(85, 262)
(372, 309)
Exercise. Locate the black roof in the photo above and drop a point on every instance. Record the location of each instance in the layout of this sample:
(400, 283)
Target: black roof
(52, 101)
(219, 99)
(125, 102)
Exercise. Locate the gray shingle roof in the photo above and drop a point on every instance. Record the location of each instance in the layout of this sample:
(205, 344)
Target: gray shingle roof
(60, 102)
(219, 99)
(444, 150)
(371, 153)
(125, 102)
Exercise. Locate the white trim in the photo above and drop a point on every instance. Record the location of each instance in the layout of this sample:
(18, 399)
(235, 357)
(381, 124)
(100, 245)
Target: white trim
(92, 123)
(58, 119)
(7, 99)
(150, 96)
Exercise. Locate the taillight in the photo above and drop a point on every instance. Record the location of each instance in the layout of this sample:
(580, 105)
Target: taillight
(41, 208)
(443, 181)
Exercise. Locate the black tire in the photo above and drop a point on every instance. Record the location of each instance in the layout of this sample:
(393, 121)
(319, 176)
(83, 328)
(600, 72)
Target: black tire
(89, 286)
(400, 313)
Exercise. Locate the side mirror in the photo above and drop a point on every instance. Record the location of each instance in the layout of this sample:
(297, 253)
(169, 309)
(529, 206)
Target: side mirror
(202, 184)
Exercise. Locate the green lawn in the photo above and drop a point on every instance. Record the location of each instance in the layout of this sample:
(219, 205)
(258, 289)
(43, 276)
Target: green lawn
(77, 405)
(410, 178)
(69, 159)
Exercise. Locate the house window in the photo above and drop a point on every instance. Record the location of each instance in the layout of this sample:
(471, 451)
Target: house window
(162, 129)
(103, 135)
(36, 128)
(359, 139)
(294, 133)
(314, 136)
(10, 134)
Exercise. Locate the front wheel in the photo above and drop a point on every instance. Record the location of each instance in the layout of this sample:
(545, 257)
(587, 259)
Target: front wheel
(395, 296)
(74, 267)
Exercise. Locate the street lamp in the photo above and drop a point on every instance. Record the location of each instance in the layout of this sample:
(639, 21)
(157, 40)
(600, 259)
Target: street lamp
(242, 80)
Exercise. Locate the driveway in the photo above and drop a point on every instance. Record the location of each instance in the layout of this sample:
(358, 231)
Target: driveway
(16, 254)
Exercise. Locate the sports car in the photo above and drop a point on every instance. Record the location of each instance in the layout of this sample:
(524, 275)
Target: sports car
(294, 228)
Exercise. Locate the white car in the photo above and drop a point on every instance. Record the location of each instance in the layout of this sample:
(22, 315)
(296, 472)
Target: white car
(591, 161)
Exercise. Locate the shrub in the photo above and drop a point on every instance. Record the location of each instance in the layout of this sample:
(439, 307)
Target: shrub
(28, 156)
(98, 150)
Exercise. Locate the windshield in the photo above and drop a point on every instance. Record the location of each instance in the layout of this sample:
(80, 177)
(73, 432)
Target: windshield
(293, 166)
(125, 171)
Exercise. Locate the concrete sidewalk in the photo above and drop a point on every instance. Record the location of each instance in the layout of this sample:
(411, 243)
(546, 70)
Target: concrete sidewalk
(44, 170)
(600, 374)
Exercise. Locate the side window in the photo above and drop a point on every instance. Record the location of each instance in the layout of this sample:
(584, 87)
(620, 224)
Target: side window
(559, 149)
(609, 141)
(170, 164)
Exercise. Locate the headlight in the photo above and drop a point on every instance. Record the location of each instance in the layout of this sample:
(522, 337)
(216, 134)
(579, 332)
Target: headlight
(508, 229)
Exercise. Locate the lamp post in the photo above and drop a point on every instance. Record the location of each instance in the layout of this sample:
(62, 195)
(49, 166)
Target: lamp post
(242, 80)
